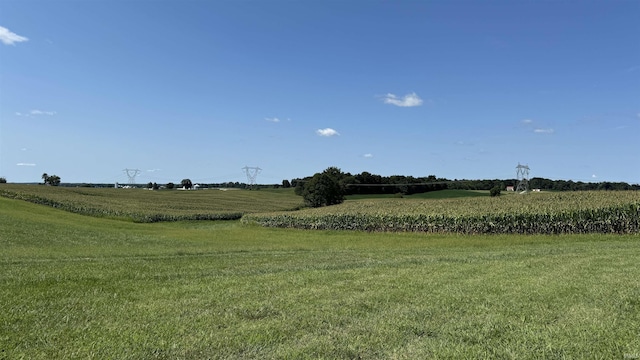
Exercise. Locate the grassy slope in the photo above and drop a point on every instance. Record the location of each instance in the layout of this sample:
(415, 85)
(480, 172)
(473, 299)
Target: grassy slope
(81, 287)
(145, 206)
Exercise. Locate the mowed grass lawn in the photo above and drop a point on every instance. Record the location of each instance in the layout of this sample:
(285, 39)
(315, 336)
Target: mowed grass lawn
(74, 286)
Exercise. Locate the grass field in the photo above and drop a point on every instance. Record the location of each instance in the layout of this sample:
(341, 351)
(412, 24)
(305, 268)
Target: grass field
(152, 206)
(83, 287)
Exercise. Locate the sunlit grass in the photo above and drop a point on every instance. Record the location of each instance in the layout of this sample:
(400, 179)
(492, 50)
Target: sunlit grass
(79, 287)
(151, 206)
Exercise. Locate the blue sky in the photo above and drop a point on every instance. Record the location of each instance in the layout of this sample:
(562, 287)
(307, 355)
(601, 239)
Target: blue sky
(201, 89)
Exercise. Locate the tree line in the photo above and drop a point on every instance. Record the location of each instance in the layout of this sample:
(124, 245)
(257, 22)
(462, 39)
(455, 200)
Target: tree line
(542, 184)
(332, 185)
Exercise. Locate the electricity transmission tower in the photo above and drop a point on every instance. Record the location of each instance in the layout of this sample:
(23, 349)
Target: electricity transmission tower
(131, 174)
(522, 173)
(252, 173)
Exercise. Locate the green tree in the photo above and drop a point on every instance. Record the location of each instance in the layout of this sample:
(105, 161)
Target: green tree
(53, 180)
(286, 183)
(3, 180)
(324, 188)
(495, 191)
(186, 183)
(170, 185)
(45, 178)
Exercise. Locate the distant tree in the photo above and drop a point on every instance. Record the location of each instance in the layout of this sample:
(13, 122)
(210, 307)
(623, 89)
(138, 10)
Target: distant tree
(170, 185)
(45, 178)
(155, 186)
(286, 183)
(299, 185)
(53, 180)
(3, 180)
(495, 191)
(149, 185)
(186, 183)
(324, 188)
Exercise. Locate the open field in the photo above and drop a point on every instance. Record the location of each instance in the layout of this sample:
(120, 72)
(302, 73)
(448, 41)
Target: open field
(533, 213)
(151, 206)
(83, 287)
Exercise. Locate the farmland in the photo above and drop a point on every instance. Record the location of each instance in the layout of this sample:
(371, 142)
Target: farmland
(535, 213)
(77, 286)
(152, 206)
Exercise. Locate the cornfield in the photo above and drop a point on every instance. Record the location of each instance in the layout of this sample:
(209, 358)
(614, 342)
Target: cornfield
(535, 213)
(152, 206)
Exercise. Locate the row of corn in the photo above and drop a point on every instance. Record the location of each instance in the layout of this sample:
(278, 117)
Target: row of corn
(111, 212)
(598, 212)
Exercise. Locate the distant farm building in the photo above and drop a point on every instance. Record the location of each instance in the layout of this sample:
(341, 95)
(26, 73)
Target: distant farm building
(510, 188)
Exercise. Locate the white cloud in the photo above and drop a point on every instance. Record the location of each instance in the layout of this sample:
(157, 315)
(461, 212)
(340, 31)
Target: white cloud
(408, 100)
(153, 170)
(537, 130)
(368, 156)
(327, 132)
(9, 38)
(36, 113)
(25, 164)
(543, 131)
(40, 112)
(594, 176)
(274, 119)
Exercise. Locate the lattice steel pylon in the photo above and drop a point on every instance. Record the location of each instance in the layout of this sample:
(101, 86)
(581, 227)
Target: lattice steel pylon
(522, 173)
(252, 174)
(131, 174)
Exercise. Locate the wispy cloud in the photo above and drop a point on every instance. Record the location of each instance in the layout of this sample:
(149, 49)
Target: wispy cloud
(36, 113)
(367, 156)
(273, 119)
(25, 164)
(543, 131)
(537, 130)
(10, 38)
(633, 69)
(327, 132)
(40, 112)
(408, 100)
(153, 170)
